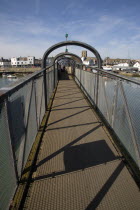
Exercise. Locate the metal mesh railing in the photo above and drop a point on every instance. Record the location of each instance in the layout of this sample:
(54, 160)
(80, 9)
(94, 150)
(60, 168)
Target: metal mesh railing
(21, 111)
(7, 170)
(118, 100)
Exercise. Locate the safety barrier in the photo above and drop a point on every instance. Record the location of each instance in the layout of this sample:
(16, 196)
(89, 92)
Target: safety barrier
(21, 111)
(118, 100)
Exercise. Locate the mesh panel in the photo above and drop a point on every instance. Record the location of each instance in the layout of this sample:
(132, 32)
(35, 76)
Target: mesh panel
(31, 125)
(18, 107)
(101, 98)
(131, 92)
(50, 88)
(86, 81)
(7, 173)
(121, 125)
(107, 87)
(26, 108)
(92, 88)
(121, 109)
(40, 102)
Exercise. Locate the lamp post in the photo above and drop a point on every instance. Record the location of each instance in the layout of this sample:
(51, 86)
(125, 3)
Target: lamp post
(66, 40)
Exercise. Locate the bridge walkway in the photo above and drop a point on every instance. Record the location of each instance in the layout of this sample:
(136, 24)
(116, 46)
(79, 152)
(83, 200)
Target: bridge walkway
(78, 167)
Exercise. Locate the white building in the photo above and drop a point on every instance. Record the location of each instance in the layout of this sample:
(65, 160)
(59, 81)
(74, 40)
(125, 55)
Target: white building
(120, 66)
(90, 61)
(137, 65)
(23, 61)
(4, 63)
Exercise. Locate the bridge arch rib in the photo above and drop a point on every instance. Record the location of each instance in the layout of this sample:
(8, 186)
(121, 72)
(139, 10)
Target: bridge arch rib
(76, 43)
(63, 58)
(67, 53)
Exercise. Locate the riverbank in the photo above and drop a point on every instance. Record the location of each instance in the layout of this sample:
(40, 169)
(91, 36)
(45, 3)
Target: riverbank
(130, 74)
(20, 70)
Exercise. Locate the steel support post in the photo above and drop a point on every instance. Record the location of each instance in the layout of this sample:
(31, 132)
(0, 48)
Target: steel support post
(54, 74)
(57, 71)
(45, 88)
(106, 101)
(113, 114)
(80, 77)
(97, 88)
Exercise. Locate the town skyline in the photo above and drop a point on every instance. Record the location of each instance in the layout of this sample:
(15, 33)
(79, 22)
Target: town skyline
(31, 27)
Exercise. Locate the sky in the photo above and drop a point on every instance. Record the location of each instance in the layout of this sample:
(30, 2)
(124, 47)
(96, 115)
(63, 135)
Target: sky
(30, 27)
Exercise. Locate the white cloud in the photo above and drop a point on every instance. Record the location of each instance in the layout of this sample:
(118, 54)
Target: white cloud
(32, 36)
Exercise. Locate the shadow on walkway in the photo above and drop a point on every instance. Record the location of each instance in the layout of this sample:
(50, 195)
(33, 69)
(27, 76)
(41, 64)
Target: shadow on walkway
(100, 195)
(80, 157)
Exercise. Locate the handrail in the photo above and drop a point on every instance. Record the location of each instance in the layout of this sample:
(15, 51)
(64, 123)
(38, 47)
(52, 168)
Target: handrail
(15, 88)
(113, 74)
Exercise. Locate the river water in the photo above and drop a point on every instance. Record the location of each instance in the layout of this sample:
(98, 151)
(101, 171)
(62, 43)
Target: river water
(9, 82)
(5, 82)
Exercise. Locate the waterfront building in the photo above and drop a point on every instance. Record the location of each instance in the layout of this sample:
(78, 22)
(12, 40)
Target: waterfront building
(38, 62)
(116, 61)
(90, 61)
(120, 66)
(137, 65)
(22, 61)
(125, 67)
(4, 63)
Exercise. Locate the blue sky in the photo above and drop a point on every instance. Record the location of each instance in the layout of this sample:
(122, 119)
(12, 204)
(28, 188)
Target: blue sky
(29, 27)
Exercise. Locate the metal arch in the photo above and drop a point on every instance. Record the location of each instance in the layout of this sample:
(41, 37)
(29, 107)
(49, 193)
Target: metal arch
(66, 63)
(77, 43)
(67, 53)
(65, 58)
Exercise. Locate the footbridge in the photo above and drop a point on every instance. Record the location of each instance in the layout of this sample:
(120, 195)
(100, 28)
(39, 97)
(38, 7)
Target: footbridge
(70, 139)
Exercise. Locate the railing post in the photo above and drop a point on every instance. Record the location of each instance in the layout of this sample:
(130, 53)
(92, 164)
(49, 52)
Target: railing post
(54, 74)
(106, 101)
(45, 88)
(114, 105)
(80, 77)
(97, 88)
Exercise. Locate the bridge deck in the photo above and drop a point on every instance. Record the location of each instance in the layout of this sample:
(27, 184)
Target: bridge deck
(78, 167)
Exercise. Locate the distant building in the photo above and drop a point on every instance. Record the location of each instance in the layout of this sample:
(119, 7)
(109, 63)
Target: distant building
(137, 65)
(38, 62)
(120, 66)
(23, 61)
(84, 53)
(125, 67)
(90, 61)
(115, 61)
(4, 63)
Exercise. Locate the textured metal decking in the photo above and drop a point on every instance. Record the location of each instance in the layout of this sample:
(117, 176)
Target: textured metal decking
(78, 167)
